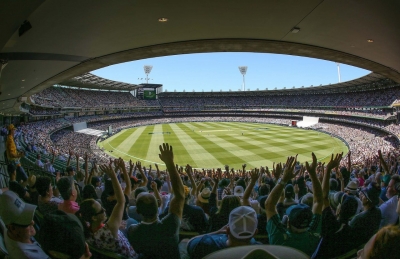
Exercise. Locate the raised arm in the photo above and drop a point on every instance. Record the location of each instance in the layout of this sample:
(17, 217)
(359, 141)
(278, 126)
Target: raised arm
(70, 153)
(349, 161)
(253, 179)
(77, 162)
(318, 200)
(176, 203)
(383, 162)
(115, 219)
(144, 177)
(128, 187)
(156, 193)
(158, 171)
(334, 162)
(86, 169)
(272, 200)
(189, 172)
(131, 166)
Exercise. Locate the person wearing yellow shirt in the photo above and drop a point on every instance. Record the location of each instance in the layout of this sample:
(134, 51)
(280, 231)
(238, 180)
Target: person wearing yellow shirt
(13, 155)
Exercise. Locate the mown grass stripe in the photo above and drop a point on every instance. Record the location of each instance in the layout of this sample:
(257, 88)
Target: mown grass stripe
(222, 154)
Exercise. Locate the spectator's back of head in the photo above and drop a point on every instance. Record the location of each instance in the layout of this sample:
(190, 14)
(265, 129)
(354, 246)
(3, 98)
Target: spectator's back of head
(228, 203)
(333, 184)
(62, 235)
(289, 191)
(65, 186)
(140, 190)
(347, 209)
(382, 245)
(264, 189)
(300, 216)
(146, 205)
(43, 185)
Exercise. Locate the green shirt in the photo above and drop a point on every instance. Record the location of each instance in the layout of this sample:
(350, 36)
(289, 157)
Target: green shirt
(306, 242)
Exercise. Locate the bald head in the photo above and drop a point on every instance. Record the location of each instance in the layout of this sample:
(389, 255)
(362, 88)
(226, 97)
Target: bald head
(146, 205)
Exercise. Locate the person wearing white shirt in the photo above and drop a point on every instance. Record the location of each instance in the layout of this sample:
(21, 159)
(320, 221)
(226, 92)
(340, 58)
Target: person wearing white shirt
(39, 162)
(388, 208)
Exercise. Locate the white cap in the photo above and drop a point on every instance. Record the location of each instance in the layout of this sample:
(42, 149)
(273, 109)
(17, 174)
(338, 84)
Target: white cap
(238, 191)
(243, 222)
(14, 210)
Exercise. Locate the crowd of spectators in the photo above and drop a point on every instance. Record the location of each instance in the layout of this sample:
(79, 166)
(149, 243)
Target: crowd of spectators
(384, 97)
(68, 97)
(322, 211)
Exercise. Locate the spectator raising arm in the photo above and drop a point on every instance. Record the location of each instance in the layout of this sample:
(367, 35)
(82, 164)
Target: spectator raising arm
(317, 189)
(144, 177)
(189, 173)
(334, 162)
(383, 163)
(177, 202)
(272, 200)
(246, 196)
(128, 187)
(115, 219)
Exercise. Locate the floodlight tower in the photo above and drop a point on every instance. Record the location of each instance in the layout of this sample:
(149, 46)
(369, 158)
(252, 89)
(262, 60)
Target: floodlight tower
(147, 70)
(338, 70)
(243, 70)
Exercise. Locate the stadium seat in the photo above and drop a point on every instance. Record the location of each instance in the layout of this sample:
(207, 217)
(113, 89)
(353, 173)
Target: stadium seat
(101, 254)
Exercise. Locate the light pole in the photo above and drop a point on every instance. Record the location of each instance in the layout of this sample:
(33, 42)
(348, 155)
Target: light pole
(338, 70)
(243, 70)
(147, 70)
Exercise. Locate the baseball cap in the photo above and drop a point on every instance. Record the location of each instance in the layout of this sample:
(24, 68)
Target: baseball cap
(134, 180)
(386, 179)
(243, 222)
(300, 215)
(258, 251)
(238, 191)
(63, 233)
(14, 210)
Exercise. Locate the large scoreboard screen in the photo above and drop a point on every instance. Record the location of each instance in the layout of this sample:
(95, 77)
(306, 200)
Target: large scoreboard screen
(149, 94)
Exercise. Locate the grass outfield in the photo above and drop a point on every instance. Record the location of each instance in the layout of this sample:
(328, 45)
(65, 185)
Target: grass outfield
(215, 144)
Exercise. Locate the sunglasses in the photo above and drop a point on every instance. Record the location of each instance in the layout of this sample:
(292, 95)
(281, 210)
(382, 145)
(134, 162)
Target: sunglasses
(100, 212)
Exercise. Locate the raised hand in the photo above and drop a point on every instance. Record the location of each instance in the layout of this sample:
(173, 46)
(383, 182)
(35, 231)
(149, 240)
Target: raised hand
(290, 164)
(334, 162)
(278, 170)
(139, 166)
(108, 170)
(254, 175)
(166, 153)
(153, 185)
(311, 168)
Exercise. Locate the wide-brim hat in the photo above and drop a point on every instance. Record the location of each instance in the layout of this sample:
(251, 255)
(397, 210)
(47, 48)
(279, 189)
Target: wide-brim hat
(204, 195)
(351, 187)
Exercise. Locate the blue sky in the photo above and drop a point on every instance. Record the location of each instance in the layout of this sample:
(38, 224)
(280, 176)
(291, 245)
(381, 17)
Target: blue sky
(216, 71)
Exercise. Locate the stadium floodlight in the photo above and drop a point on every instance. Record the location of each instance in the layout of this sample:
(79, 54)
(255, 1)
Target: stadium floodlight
(338, 70)
(243, 70)
(147, 70)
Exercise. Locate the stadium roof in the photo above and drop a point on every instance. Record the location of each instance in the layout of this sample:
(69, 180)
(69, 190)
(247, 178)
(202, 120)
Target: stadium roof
(91, 81)
(70, 38)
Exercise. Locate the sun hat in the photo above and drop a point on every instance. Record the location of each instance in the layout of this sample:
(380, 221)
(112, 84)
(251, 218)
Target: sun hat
(351, 187)
(14, 210)
(62, 232)
(204, 195)
(243, 222)
(372, 192)
(258, 251)
(300, 215)
(238, 191)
